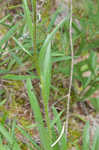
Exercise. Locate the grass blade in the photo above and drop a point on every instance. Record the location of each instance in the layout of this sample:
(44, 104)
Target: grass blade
(95, 103)
(59, 127)
(28, 18)
(46, 74)
(38, 117)
(21, 46)
(95, 145)
(56, 118)
(4, 18)
(54, 19)
(8, 35)
(49, 39)
(3, 102)
(9, 138)
(6, 134)
(86, 137)
(18, 77)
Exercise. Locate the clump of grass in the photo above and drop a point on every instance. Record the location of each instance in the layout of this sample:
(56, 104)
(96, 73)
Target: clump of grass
(50, 138)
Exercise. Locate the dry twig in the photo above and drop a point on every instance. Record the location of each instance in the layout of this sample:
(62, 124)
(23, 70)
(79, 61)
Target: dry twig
(70, 84)
(72, 66)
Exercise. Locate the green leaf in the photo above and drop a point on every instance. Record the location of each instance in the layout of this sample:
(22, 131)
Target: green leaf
(3, 102)
(21, 46)
(45, 63)
(28, 18)
(18, 77)
(6, 134)
(59, 59)
(95, 103)
(56, 118)
(38, 116)
(87, 81)
(4, 18)
(95, 145)
(91, 90)
(31, 126)
(45, 78)
(76, 28)
(13, 129)
(46, 74)
(62, 141)
(1, 140)
(49, 39)
(86, 137)
(92, 61)
(50, 26)
(54, 134)
(9, 138)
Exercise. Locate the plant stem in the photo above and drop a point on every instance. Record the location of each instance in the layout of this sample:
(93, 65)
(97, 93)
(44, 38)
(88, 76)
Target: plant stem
(48, 122)
(72, 66)
(38, 69)
(35, 57)
(47, 118)
(34, 26)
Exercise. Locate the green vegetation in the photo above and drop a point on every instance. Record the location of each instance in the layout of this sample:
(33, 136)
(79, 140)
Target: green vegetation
(35, 60)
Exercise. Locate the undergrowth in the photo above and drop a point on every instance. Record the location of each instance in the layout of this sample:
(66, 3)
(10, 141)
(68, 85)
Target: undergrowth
(35, 62)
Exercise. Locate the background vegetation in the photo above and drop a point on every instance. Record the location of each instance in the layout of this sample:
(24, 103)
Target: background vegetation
(35, 66)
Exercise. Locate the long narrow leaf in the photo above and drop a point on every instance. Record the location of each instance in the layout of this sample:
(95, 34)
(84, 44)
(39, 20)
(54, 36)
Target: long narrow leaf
(28, 18)
(95, 103)
(4, 18)
(49, 39)
(38, 117)
(46, 74)
(54, 18)
(59, 127)
(18, 77)
(9, 138)
(6, 134)
(21, 46)
(3, 102)
(86, 137)
(95, 145)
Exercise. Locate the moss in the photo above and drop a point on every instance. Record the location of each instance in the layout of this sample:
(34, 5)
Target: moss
(24, 122)
(74, 136)
(75, 133)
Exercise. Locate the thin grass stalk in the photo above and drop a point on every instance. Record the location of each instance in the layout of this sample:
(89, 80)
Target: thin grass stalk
(48, 122)
(35, 57)
(71, 73)
(34, 27)
(37, 64)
